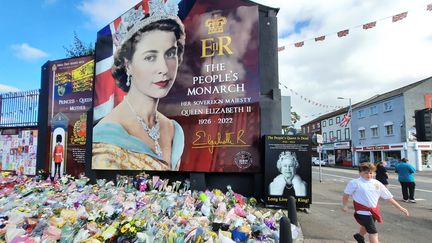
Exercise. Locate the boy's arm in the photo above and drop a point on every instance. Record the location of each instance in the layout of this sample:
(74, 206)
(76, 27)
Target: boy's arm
(345, 198)
(398, 206)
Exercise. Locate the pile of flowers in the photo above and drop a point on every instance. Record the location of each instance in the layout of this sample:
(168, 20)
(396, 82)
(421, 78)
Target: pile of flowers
(139, 209)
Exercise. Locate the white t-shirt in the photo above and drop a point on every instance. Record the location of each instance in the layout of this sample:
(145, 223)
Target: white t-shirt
(367, 192)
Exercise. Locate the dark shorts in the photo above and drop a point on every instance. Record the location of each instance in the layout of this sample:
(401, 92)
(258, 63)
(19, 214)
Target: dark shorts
(366, 221)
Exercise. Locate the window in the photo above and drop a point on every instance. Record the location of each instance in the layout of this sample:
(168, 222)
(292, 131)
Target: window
(339, 135)
(318, 125)
(313, 126)
(325, 137)
(330, 122)
(388, 106)
(374, 110)
(361, 114)
(374, 130)
(362, 133)
(331, 138)
(388, 128)
(324, 123)
(347, 134)
(337, 120)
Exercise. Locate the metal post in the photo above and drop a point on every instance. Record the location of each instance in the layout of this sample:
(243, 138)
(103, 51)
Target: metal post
(285, 233)
(319, 163)
(292, 210)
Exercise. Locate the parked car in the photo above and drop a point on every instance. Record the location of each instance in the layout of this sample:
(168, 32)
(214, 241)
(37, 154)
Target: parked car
(316, 161)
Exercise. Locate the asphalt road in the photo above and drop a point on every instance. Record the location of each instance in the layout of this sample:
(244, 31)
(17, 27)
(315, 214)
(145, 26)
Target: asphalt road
(326, 222)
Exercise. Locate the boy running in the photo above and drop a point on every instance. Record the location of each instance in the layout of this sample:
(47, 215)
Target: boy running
(366, 192)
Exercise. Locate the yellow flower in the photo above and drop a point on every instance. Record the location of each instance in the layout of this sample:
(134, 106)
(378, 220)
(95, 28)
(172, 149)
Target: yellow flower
(123, 229)
(127, 225)
(133, 229)
(217, 192)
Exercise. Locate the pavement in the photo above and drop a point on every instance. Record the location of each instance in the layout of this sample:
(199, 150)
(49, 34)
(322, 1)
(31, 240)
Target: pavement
(300, 238)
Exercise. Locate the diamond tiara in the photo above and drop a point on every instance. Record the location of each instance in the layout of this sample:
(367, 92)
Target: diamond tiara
(142, 15)
(288, 155)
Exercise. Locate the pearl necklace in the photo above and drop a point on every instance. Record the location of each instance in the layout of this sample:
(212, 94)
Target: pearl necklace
(152, 132)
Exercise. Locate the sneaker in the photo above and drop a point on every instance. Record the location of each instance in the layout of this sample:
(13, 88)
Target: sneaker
(405, 200)
(359, 238)
(412, 201)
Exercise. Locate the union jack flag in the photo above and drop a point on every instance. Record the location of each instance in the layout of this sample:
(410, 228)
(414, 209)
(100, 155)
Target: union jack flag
(346, 119)
(299, 44)
(343, 33)
(321, 38)
(369, 25)
(107, 93)
(400, 16)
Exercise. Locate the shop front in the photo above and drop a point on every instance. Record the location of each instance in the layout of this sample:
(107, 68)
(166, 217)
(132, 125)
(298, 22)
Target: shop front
(391, 153)
(342, 152)
(328, 153)
(423, 152)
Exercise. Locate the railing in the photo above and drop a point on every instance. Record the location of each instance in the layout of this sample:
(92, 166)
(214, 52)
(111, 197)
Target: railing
(19, 109)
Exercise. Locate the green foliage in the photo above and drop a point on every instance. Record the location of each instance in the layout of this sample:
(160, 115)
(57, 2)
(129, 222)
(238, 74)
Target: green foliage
(79, 48)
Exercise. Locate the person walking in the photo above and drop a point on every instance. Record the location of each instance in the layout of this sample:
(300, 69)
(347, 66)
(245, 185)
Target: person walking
(366, 192)
(406, 179)
(381, 173)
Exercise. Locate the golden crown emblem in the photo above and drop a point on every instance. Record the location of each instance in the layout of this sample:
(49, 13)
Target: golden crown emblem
(215, 24)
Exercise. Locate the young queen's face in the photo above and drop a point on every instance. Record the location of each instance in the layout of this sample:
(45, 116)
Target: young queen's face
(154, 64)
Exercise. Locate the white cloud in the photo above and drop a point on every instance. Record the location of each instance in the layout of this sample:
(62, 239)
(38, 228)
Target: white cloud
(26, 52)
(360, 65)
(6, 89)
(103, 12)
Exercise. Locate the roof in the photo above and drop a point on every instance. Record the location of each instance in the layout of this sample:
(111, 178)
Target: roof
(395, 92)
(327, 115)
(371, 100)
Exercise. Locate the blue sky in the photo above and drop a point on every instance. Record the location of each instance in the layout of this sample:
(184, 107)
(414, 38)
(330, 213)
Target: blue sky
(358, 66)
(36, 31)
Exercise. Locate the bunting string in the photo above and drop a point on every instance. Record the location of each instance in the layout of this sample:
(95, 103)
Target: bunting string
(345, 32)
(302, 97)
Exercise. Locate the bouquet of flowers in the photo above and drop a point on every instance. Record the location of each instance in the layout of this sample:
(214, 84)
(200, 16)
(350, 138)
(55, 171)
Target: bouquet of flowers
(129, 228)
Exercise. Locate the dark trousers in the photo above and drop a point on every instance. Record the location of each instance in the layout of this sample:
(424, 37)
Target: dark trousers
(57, 169)
(408, 190)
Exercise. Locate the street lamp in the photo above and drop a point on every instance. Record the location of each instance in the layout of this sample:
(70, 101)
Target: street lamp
(343, 98)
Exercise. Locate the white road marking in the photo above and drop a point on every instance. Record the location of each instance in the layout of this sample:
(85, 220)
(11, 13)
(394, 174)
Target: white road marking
(350, 178)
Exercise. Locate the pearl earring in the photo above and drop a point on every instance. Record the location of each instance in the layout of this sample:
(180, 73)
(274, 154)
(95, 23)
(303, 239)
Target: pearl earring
(128, 82)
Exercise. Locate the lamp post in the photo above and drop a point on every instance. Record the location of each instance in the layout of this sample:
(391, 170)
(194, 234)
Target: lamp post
(343, 98)
(350, 133)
